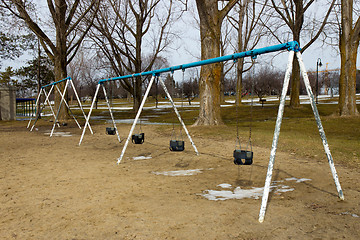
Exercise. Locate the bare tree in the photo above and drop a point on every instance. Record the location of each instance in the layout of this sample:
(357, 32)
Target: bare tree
(348, 45)
(127, 28)
(293, 15)
(70, 22)
(211, 19)
(86, 69)
(249, 25)
(265, 82)
(190, 89)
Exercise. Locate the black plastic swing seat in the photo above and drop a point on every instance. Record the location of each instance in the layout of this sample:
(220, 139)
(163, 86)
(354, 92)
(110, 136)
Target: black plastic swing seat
(177, 145)
(110, 130)
(138, 138)
(243, 157)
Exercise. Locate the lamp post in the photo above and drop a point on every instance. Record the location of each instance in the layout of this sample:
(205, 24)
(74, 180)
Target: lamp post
(318, 63)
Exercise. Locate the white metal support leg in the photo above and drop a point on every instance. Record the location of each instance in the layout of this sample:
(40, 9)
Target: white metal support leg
(319, 125)
(276, 137)
(57, 114)
(87, 119)
(67, 105)
(79, 102)
(136, 119)
(111, 114)
(178, 115)
(47, 101)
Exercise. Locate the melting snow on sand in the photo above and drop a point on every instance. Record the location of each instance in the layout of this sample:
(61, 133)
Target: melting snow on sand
(179, 172)
(142, 158)
(254, 193)
(59, 134)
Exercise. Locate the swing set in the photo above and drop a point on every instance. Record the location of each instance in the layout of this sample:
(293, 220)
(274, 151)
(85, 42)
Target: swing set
(46, 101)
(241, 156)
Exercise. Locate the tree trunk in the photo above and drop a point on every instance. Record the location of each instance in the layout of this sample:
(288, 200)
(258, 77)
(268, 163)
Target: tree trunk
(295, 80)
(137, 94)
(60, 58)
(241, 48)
(210, 75)
(347, 84)
(295, 85)
(60, 73)
(222, 84)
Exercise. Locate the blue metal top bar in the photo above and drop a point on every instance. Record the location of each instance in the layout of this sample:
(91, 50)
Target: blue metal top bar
(290, 46)
(54, 83)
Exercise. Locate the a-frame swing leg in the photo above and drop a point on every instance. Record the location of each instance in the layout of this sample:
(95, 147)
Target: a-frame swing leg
(58, 112)
(277, 132)
(111, 114)
(319, 125)
(87, 119)
(136, 119)
(79, 102)
(276, 137)
(67, 105)
(178, 114)
(47, 101)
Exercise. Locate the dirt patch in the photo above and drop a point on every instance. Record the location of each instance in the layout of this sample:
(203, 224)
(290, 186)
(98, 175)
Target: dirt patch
(53, 189)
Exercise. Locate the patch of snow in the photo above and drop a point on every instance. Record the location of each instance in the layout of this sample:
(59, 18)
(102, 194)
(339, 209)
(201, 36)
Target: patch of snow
(59, 134)
(238, 193)
(143, 121)
(225, 185)
(142, 158)
(179, 172)
(253, 193)
(348, 213)
(298, 180)
(284, 188)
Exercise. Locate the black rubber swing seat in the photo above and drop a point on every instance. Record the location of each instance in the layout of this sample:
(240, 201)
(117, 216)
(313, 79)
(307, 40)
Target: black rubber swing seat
(110, 130)
(243, 157)
(138, 138)
(177, 145)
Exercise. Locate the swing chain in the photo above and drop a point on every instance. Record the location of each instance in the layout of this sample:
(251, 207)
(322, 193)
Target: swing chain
(182, 100)
(251, 106)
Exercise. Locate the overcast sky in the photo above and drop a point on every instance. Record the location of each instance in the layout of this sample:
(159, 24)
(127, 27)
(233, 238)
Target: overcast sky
(187, 48)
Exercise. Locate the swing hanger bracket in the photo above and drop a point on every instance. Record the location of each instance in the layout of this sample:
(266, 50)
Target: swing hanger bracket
(293, 46)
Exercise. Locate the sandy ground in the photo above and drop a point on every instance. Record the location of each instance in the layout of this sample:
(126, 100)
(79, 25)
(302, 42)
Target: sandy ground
(53, 189)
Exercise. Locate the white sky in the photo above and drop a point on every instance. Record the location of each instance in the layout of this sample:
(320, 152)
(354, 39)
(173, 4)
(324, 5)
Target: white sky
(187, 49)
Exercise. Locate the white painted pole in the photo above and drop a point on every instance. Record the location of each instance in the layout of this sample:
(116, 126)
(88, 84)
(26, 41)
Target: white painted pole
(37, 100)
(79, 101)
(47, 95)
(87, 119)
(136, 119)
(57, 114)
(48, 101)
(178, 115)
(111, 114)
(276, 138)
(319, 125)
(43, 105)
(67, 105)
